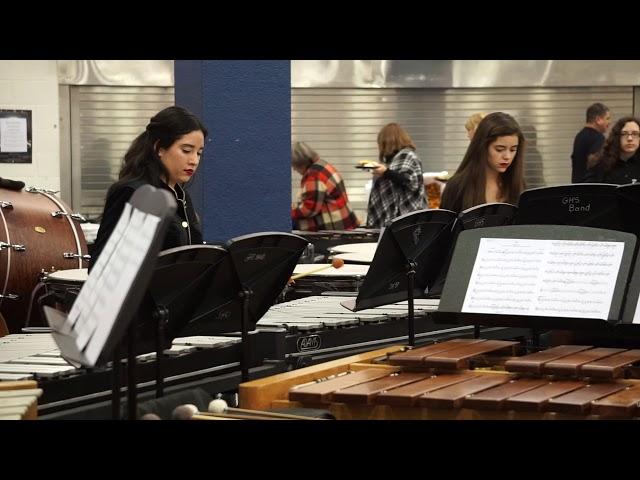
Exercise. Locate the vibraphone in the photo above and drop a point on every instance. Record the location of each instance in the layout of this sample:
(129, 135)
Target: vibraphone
(212, 363)
(318, 328)
(462, 379)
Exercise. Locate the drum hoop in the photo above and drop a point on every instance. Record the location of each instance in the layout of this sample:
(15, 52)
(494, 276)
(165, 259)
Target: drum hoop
(6, 279)
(73, 226)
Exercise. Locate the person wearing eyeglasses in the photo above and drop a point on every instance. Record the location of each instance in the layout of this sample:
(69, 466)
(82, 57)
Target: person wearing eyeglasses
(618, 162)
(589, 140)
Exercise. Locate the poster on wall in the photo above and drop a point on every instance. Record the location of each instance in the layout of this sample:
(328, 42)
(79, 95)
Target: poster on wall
(15, 136)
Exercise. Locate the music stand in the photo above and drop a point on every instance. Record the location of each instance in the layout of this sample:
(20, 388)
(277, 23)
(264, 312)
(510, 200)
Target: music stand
(494, 214)
(407, 261)
(264, 263)
(187, 280)
(542, 276)
(582, 204)
(92, 331)
(629, 200)
(198, 285)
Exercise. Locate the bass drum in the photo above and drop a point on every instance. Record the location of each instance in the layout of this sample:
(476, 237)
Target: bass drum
(38, 234)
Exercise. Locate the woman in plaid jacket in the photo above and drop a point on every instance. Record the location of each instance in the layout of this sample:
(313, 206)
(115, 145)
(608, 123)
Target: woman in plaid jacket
(398, 186)
(323, 204)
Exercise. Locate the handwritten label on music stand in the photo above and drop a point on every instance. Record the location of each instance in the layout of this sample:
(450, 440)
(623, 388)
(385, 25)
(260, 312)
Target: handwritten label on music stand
(560, 278)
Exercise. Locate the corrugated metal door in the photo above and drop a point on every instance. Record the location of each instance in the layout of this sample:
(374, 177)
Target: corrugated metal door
(104, 122)
(342, 125)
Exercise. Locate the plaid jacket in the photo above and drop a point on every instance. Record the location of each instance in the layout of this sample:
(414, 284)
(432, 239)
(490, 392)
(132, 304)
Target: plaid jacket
(389, 200)
(324, 204)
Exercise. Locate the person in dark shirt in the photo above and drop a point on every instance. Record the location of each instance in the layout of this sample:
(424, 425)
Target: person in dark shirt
(589, 140)
(619, 160)
(492, 169)
(166, 155)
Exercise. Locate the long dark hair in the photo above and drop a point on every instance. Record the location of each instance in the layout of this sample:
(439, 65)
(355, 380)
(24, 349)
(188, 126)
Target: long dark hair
(610, 153)
(165, 127)
(471, 174)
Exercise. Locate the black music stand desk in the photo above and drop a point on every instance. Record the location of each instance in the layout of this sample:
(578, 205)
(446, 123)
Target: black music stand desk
(92, 331)
(581, 204)
(212, 290)
(539, 277)
(406, 262)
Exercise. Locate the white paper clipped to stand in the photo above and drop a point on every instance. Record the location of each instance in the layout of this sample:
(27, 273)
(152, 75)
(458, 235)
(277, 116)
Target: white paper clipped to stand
(551, 278)
(636, 314)
(82, 335)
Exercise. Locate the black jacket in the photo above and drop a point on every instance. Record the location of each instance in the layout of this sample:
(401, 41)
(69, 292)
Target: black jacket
(622, 172)
(184, 228)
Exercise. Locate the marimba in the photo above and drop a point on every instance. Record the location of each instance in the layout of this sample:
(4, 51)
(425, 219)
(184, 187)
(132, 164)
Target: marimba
(462, 379)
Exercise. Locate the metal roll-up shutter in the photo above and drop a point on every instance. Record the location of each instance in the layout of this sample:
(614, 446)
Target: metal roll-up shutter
(342, 125)
(104, 122)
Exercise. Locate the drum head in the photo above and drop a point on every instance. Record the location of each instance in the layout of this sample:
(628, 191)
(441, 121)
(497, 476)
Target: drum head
(77, 275)
(369, 247)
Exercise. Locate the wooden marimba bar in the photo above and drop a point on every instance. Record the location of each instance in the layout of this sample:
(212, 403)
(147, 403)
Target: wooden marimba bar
(461, 379)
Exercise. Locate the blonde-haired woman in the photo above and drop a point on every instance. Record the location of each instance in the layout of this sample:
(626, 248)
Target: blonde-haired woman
(472, 123)
(398, 185)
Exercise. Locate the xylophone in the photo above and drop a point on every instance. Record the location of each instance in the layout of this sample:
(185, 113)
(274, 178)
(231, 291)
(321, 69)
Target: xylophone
(19, 400)
(462, 379)
(318, 328)
(69, 391)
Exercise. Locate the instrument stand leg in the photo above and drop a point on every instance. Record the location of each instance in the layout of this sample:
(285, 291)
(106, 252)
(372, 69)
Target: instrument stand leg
(535, 339)
(132, 401)
(161, 316)
(245, 294)
(115, 386)
(411, 273)
(476, 331)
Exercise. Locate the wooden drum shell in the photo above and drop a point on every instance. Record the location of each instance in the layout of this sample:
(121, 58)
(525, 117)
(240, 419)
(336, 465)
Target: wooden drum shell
(29, 222)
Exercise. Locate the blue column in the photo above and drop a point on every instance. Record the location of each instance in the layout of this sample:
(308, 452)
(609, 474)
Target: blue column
(243, 184)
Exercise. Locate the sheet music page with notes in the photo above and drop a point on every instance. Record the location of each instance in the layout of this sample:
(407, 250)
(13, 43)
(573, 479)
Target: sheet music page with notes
(95, 310)
(557, 278)
(636, 314)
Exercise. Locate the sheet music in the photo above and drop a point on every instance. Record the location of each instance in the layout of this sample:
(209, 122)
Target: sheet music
(636, 314)
(85, 331)
(558, 278)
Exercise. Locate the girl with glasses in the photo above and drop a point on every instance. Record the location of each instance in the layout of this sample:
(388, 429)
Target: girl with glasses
(618, 162)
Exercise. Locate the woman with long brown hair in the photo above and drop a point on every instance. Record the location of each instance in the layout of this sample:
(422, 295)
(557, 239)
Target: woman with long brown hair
(492, 170)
